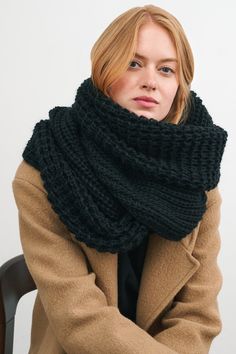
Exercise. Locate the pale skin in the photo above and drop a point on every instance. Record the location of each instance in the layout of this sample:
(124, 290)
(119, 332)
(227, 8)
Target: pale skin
(154, 74)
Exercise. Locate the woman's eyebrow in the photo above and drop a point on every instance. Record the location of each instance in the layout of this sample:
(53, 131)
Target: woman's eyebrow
(137, 55)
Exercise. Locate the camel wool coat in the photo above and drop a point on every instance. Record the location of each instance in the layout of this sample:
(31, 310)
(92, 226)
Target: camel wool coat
(76, 310)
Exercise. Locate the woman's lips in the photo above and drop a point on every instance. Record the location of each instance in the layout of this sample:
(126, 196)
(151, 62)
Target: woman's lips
(145, 103)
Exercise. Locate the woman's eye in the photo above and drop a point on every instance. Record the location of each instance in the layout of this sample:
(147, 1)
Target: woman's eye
(133, 62)
(167, 70)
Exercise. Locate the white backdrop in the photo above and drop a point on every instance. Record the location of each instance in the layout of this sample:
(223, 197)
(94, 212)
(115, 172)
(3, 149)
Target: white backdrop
(45, 48)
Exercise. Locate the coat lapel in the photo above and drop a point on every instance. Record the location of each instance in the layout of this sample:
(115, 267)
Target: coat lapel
(104, 265)
(167, 267)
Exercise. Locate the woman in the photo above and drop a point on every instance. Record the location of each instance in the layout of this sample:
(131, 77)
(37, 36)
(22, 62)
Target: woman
(119, 205)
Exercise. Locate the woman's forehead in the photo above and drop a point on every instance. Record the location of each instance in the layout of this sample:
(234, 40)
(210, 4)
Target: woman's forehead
(155, 40)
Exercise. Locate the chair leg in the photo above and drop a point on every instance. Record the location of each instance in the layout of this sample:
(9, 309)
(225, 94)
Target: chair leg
(9, 337)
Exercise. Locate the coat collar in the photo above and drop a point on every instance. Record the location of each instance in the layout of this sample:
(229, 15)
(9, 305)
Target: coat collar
(167, 267)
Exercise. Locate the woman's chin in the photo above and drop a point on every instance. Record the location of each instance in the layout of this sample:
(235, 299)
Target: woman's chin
(147, 115)
(143, 113)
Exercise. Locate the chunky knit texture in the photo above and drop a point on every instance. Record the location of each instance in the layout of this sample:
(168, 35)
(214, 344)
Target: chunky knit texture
(113, 176)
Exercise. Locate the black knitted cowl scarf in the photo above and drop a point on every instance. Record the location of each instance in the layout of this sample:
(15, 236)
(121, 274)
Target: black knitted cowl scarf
(113, 176)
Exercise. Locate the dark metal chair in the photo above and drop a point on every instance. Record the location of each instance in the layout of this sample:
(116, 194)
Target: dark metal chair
(15, 281)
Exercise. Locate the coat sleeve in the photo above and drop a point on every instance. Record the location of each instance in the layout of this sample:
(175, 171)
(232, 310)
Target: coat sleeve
(77, 309)
(193, 320)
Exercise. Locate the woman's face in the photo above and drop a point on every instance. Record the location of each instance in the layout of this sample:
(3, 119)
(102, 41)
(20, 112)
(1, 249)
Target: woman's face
(151, 73)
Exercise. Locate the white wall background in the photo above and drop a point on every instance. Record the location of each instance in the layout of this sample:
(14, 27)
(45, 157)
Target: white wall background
(45, 47)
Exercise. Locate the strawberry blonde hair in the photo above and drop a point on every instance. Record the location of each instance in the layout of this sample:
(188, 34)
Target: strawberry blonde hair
(116, 46)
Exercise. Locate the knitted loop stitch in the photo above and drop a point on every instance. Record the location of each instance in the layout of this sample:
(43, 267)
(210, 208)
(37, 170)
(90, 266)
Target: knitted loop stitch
(113, 176)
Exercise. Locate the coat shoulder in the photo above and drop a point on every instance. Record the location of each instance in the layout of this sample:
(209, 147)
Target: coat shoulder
(213, 196)
(30, 174)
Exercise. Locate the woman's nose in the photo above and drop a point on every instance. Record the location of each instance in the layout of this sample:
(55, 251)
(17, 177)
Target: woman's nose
(150, 85)
(149, 80)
